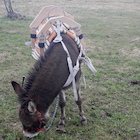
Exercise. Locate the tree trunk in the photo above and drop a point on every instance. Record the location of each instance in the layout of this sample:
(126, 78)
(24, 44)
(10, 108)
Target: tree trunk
(10, 11)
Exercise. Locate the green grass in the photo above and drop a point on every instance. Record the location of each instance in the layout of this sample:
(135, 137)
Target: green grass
(111, 99)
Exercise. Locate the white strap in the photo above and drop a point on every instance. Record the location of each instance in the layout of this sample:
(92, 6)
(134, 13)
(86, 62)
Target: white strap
(88, 63)
(57, 29)
(73, 72)
(35, 54)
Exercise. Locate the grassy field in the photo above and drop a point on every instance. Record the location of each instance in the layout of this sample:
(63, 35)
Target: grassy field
(111, 99)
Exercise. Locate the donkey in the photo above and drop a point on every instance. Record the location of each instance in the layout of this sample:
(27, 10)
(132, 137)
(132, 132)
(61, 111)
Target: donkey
(45, 81)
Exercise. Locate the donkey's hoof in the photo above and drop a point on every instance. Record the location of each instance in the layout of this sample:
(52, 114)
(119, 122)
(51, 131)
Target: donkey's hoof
(60, 125)
(61, 130)
(84, 121)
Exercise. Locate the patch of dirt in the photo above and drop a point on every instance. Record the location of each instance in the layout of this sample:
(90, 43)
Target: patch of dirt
(135, 52)
(4, 56)
(131, 53)
(18, 138)
(135, 83)
(135, 39)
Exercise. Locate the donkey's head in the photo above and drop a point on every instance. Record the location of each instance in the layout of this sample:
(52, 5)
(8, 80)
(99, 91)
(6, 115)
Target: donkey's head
(30, 117)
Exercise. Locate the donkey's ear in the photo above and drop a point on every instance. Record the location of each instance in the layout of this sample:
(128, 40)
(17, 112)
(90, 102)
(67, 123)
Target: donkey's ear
(31, 107)
(18, 89)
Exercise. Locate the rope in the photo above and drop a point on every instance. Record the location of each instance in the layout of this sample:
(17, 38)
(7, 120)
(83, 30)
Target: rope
(54, 114)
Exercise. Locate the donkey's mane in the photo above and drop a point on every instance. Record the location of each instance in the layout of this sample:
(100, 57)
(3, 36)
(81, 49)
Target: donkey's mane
(32, 76)
(36, 68)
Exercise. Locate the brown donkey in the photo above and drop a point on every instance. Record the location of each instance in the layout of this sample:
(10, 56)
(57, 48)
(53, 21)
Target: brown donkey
(45, 81)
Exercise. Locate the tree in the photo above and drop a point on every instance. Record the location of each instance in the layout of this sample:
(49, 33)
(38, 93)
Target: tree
(10, 11)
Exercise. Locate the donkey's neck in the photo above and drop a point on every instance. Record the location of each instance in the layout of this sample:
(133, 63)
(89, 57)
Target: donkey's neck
(48, 82)
(42, 99)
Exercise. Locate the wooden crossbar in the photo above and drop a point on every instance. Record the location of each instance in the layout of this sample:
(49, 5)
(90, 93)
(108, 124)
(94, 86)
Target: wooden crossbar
(46, 12)
(45, 28)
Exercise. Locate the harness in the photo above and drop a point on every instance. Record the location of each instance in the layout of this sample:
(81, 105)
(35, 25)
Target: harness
(41, 122)
(56, 37)
(41, 125)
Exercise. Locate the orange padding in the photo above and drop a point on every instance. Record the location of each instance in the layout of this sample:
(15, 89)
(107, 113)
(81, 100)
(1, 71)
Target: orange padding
(43, 22)
(36, 41)
(38, 49)
(70, 34)
(52, 36)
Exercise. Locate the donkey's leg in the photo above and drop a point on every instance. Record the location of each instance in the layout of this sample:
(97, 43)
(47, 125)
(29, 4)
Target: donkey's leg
(62, 103)
(79, 103)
